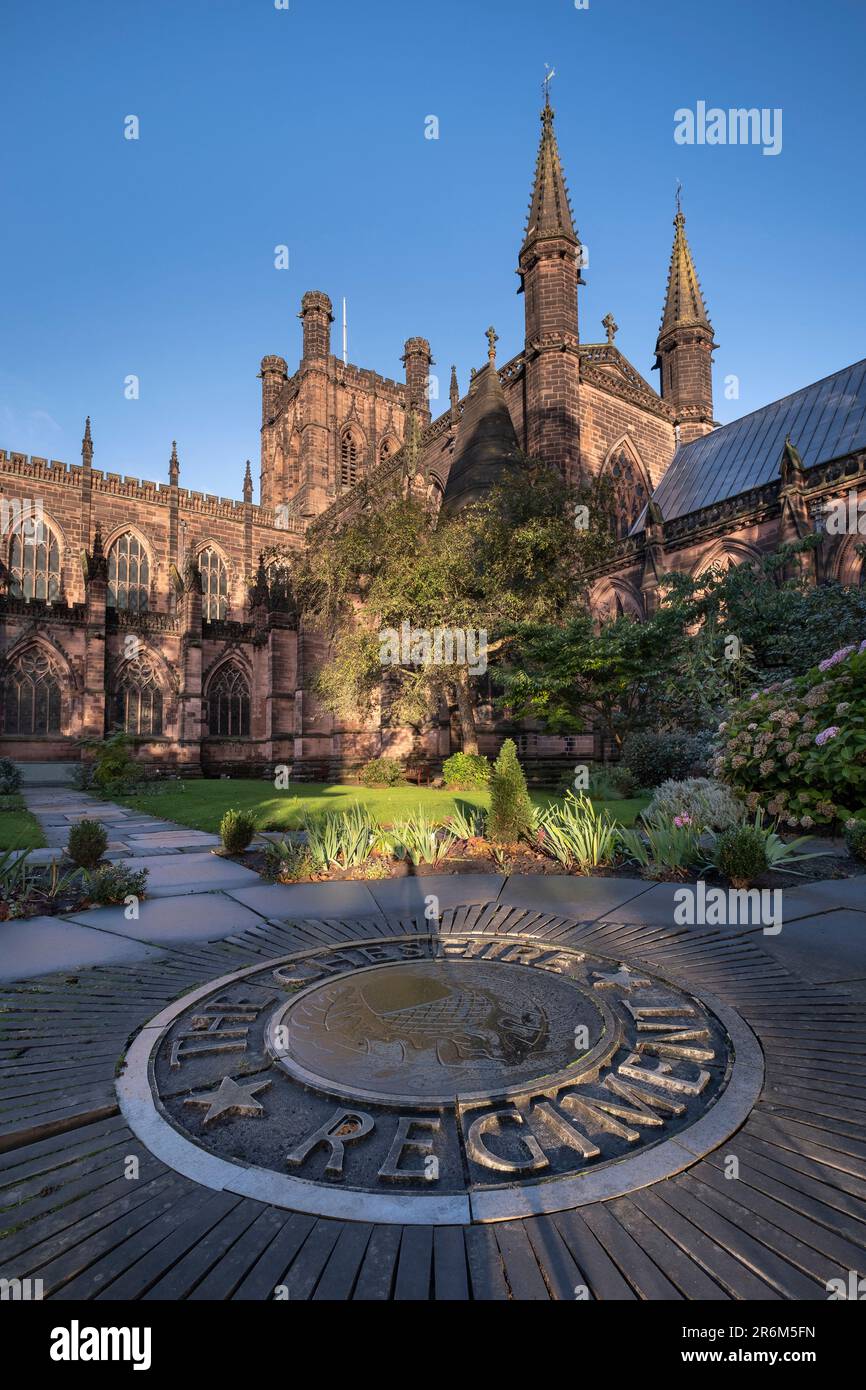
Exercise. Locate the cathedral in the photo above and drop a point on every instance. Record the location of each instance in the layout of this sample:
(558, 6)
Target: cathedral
(143, 606)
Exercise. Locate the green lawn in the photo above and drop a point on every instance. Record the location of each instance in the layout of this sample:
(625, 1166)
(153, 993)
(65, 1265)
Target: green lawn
(202, 803)
(20, 830)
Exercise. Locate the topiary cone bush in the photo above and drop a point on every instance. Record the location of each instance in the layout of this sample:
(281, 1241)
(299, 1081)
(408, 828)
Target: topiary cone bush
(510, 807)
(237, 829)
(87, 843)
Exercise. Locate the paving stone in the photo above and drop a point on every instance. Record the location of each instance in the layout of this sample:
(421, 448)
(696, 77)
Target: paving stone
(40, 945)
(171, 839)
(827, 949)
(309, 900)
(583, 898)
(407, 896)
(174, 920)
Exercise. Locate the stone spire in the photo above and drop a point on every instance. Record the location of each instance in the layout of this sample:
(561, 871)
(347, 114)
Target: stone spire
(173, 465)
(684, 349)
(87, 445)
(248, 483)
(684, 303)
(549, 208)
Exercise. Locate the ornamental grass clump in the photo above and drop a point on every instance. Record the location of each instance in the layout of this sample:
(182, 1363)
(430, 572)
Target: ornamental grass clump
(663, 846)
(419, 839)
(510, 817)
(342, 839)
(797, 749)
(577, 835)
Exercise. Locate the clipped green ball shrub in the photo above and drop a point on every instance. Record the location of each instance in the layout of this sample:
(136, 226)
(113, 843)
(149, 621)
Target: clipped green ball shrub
(381, 772)
(87, 843)
(464, 772)
(510, 807)
(741, 855)
(237, 829)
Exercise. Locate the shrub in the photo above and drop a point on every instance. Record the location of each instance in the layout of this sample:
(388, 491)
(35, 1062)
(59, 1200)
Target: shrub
(855, 837)
(709, 805)
(82, 777)
(577, 835)
(510, 807)
(381, 772)
(114, 883)
(10, 777)
(237, 829)
(12, 802)
(798, 748)
(114, 768)
(653, 758)
(87, 843)
(740, 854)
(464, 772)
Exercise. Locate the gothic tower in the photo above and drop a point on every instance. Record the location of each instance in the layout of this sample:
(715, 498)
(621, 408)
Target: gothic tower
(684, 351)
(549, 270)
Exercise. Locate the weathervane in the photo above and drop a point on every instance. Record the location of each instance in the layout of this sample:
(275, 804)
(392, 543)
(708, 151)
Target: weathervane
(679, 197)
(545, 86)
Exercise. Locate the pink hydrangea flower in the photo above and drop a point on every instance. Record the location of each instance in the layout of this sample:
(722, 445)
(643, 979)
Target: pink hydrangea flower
(826, 734)
(680, 821)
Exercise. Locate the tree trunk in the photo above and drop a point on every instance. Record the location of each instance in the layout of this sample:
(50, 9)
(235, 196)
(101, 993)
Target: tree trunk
(466, 713)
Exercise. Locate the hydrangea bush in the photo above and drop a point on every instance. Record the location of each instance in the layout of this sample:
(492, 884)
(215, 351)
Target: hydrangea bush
(798, 749)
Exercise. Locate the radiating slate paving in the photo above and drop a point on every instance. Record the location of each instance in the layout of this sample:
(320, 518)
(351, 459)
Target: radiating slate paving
(794, 1217)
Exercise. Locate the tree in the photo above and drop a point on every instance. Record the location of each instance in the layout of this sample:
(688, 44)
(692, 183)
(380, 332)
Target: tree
(514, 558)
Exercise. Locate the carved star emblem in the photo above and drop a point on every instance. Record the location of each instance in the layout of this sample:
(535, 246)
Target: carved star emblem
(624, 978)
(229, 1099)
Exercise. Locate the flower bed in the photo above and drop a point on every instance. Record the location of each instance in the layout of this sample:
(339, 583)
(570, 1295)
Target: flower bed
(798, 749)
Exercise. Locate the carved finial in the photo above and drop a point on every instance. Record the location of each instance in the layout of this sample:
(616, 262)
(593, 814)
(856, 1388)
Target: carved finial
(611, 327)
(191, 572)
(173, 465)
(98, 550)
(87, 445)
(259, 587)
(492, 339)
(248, 483)
(679, 199)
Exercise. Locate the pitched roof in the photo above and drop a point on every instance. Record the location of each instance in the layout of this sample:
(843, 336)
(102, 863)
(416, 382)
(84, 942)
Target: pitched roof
(549, 207)
(485, 441)
(825, 421)
(684, 303)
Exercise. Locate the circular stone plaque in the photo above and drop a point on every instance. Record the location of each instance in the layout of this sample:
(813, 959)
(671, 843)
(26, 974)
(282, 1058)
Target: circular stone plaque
(439, 1079)
(439, 1031)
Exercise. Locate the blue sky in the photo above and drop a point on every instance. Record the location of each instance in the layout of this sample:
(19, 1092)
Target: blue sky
(305, 127)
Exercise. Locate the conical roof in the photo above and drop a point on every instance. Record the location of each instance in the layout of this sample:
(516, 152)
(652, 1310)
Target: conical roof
(485, 442)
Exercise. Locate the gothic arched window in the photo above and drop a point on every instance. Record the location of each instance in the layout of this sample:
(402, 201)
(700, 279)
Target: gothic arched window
(214, 585)
(138, 702)
(34, 560)
(349, 458)
(229, 703)
(128, 574)
(629, 493)
(32, 694)
(386, 449)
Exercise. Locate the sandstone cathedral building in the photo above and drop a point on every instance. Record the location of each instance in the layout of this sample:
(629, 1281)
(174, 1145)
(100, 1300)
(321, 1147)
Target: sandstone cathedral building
(146, 607)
